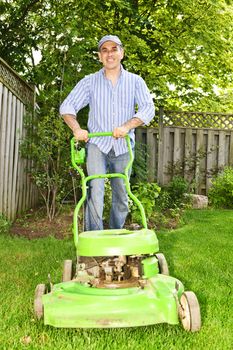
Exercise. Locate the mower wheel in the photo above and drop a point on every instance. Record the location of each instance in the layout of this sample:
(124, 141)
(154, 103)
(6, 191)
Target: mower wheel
(38, 305)
(189, 312)
(67, 271)
(162, 262)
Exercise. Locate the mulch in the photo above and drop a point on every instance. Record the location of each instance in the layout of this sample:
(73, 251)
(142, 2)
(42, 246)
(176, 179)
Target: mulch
(34, 226)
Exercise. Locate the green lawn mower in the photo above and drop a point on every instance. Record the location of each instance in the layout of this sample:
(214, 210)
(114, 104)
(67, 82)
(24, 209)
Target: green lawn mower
(119, 278)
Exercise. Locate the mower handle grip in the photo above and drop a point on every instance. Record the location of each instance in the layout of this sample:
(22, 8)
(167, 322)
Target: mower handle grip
(99, 134)
(108, 133)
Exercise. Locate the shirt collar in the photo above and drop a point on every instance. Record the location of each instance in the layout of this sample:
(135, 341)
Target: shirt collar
(122, 71)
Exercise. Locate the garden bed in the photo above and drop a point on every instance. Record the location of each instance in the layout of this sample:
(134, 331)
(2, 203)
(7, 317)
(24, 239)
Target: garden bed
(35, 224)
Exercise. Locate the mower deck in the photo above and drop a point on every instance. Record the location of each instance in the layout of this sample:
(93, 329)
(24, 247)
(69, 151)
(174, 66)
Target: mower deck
(72, 304)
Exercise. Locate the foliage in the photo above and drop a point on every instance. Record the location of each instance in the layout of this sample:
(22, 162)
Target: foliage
(4, 225)
(46, 146)
(147, 194)
(177, 188)
(182, 49)
(173, 198)
(221, 190)
(174, 195)
(139, 170)
(163, 207)
(107, 201)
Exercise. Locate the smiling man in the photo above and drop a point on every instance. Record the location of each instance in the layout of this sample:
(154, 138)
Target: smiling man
(112, 95)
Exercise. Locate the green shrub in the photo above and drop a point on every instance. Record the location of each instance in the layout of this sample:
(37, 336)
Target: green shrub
(163, 202)
(47, 146)
(173, 195)
(163, 208)
(107, 201)
(176, 189)
(139, 169)
(221, 191)
(147, 194)
(4, 225)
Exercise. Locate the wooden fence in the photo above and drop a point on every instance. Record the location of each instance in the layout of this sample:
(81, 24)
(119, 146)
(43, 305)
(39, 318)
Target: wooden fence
(193, 145)
(16, 190)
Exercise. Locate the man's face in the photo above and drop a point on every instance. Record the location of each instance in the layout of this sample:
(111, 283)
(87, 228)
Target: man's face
(110, 55)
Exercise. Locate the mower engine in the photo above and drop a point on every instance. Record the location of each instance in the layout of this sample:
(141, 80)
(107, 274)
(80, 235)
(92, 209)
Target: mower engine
(103, 271)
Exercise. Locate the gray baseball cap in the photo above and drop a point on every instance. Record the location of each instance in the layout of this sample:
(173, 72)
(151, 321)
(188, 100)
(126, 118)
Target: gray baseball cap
(113, 38)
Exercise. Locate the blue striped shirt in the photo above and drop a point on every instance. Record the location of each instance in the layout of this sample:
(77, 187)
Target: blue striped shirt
(110, 106)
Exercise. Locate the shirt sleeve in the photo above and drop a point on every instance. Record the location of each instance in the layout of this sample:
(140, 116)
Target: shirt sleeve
(77, 99)
(143, 99)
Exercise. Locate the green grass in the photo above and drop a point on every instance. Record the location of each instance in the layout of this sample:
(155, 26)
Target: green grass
(200, 254)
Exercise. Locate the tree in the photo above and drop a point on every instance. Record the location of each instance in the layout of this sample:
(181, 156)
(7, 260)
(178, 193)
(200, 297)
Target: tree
(47, 145)
(181, 48)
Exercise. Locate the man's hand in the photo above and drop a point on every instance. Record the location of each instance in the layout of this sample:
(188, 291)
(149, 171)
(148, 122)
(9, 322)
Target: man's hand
(122, 131)
(119, 132)
(80, 134)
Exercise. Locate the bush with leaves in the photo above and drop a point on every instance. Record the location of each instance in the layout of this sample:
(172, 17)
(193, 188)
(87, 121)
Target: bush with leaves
(163, 207)
(173, 195)
(177, 188)
(139, 169)
(221, 191)
(47, 146)
(170, 203)
(147, 194)
(4, 225)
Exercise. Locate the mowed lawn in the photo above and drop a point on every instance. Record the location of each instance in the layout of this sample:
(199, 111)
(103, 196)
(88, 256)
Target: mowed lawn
(200, 254)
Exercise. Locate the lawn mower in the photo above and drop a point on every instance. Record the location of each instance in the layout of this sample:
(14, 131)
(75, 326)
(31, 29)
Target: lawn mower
(119, 278)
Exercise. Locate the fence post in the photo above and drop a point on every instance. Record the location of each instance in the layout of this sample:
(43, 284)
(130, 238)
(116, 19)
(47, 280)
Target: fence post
(231, 150)
(160, 176)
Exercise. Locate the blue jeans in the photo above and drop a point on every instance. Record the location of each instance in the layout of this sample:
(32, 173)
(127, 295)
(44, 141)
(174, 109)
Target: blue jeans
(101, 163)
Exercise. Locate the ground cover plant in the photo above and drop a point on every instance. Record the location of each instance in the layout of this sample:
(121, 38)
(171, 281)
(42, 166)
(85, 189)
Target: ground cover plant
(199, 254)
(221, 190)
(163, 205)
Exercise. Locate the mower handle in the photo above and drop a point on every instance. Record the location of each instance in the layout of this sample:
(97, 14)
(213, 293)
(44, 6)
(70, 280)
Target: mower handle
(102, 134)
(85, 179)
(99, 134)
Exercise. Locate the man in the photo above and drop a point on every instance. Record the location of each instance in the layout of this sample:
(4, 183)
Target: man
(112, 95)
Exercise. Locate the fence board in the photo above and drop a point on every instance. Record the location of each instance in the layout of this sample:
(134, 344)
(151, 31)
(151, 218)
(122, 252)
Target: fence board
(200, 165)
(227, 149)
(188, 154)
(19, 191)
(177, 148)
(11, 159)
(6, 177)
(167, 154)
(152, 149)
(16, 159)
(231, 149)
(160, 169)
(221, 151)
(212, 155)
